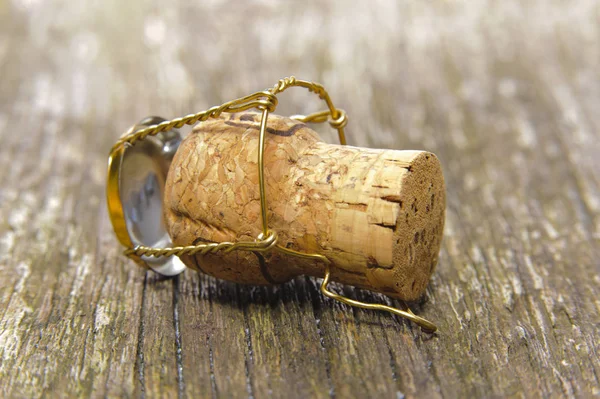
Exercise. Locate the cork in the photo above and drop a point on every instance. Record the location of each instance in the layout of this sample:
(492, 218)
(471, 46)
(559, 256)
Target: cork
(377, 215)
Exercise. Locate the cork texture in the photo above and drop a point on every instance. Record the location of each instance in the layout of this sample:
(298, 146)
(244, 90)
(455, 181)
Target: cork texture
(378, 215)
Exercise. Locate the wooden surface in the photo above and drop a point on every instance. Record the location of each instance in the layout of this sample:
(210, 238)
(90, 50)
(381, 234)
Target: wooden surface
(505, 93)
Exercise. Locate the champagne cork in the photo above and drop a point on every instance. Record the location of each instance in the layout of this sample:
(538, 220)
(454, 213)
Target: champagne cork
(377, 215)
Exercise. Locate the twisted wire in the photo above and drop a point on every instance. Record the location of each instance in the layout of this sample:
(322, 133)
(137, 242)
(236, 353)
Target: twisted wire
(324, 116)
(267, 102)
(260, 100)
(340, 122)
(317, 117)
(262, 245)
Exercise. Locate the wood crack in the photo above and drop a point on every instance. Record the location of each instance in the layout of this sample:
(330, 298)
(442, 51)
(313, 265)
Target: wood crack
(178, 338)
(140, 340)
(316, 298)
(248, 355)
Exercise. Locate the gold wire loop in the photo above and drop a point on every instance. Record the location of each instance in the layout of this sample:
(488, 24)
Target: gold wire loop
(341, 121)
(265, 101)
(425, 325)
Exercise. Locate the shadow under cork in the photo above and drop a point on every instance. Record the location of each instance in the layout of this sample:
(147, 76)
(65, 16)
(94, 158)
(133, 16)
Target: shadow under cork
(303, 293)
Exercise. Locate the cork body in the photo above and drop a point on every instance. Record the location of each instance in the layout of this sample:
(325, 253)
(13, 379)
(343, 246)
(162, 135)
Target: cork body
(378, 215)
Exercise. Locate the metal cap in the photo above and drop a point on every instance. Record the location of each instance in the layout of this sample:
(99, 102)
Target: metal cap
(135, 189)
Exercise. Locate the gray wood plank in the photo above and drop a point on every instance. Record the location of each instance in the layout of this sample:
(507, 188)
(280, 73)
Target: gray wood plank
(505, 93)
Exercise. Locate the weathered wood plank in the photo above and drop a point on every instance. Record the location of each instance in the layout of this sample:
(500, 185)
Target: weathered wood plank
(505, 93)
(359, 363)
(157, 359)
(197, 343)
(215, 351)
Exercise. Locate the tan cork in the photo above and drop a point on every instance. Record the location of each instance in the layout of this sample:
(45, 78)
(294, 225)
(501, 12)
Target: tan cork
(378, 215)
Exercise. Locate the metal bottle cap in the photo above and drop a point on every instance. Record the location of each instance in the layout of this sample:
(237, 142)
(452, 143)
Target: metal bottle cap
(137, 174)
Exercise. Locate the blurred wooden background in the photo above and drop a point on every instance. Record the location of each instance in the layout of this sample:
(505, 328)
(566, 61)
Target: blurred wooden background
(506, 93)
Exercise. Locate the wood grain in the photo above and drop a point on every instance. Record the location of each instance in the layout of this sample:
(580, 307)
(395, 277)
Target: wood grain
(505, 93)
